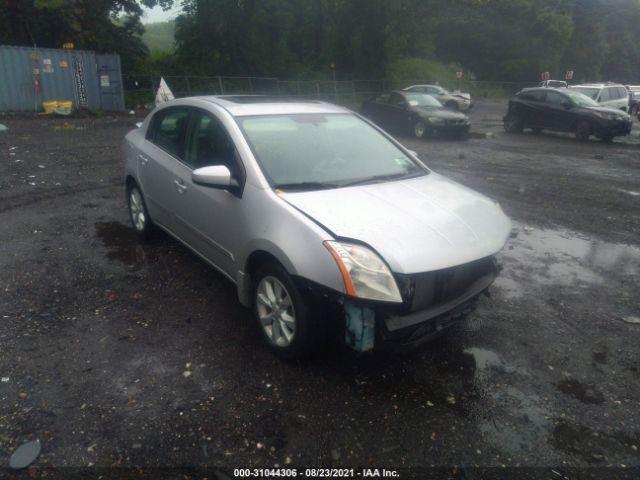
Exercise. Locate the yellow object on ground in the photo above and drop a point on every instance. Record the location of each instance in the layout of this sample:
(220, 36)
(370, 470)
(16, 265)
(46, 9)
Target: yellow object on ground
(49, 106)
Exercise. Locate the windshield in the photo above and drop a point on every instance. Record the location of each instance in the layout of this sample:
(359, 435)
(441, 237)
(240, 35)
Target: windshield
(589, 92)
(422, 100)
(310, 151)
(580, 99)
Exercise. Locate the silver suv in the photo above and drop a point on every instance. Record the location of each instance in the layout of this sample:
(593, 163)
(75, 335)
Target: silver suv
(610, 95)
(317, 216)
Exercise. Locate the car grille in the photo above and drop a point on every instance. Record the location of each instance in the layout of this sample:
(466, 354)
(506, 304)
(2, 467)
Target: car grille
(425, 290)
(457, 121)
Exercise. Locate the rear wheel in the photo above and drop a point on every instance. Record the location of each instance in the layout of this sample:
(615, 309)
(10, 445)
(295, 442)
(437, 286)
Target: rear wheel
(419, 129)
(286, 323)
(512, 124)
(583, 131)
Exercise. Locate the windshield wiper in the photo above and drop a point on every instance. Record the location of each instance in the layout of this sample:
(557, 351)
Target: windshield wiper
(302, 186)
(383, 178)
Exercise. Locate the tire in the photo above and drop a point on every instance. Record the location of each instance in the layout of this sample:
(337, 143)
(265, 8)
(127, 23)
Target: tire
(583, 131)
(512, 124)
(452, 105)
(138, 213)
(419, 129)
(292, 333)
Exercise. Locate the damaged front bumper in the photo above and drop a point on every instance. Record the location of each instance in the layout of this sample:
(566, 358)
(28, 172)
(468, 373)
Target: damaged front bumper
(433, 302)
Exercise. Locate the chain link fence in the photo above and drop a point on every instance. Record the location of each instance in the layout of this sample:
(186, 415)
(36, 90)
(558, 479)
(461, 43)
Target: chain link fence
(140, 89)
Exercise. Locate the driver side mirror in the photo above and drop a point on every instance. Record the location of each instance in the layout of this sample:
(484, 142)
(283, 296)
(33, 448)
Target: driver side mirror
(216, 176)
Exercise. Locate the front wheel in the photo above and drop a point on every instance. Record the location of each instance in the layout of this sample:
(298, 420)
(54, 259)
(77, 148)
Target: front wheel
(583, 131)
(285, 321)
(512, 124)
(419, 129)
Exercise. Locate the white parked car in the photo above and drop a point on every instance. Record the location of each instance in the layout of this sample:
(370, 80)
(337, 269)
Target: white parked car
(612, 95)
(455, 100)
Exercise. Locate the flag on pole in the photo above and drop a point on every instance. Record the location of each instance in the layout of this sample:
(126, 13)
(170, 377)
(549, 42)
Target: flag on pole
(164, 93)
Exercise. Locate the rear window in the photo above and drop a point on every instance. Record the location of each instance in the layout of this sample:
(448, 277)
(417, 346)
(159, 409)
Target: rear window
(534, 96)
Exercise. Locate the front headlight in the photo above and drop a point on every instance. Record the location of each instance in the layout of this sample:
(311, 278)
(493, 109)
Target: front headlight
(364, 273)
(436, 120)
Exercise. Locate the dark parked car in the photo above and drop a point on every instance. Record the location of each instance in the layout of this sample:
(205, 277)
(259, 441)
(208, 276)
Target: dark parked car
(417, 113)
(564, 110)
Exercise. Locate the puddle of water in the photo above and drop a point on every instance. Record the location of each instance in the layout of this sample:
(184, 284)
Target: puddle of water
(123, 245)
(519, 427)
(562, 257)
(581, 391)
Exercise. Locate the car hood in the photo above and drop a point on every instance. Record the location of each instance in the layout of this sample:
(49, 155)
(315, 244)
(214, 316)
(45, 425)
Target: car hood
(461, 94)
(416, 225)
(439, 112)
(609, 110)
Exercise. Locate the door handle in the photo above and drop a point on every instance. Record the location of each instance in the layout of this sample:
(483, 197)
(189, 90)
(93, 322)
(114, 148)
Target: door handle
(181, 186)
(143, 160)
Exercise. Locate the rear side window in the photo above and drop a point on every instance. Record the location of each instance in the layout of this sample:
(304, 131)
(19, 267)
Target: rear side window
(168, 130)
(535, 96)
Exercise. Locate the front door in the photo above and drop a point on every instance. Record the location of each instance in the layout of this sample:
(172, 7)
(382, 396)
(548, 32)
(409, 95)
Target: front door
(210, 217)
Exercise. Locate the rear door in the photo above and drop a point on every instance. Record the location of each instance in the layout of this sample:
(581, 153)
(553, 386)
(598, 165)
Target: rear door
(159, 160)
(530, 108)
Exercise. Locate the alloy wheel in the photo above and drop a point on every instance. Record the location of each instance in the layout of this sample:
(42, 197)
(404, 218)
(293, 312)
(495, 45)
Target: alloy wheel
(136, 208)
(275, 311)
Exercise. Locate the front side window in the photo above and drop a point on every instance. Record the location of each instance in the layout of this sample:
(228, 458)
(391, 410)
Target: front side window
(312, 151)
(168, 130)
(209, 143)
(397, 100)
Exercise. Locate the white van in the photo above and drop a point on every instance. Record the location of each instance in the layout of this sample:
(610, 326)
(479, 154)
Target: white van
(612, 95)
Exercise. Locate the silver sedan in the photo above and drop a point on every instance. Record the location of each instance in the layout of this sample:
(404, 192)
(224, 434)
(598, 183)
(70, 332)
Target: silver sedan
(323, 221)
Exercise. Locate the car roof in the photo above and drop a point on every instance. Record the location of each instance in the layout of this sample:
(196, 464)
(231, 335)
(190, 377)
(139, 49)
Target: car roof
(423, 85)
(245, 105)
(599, 85)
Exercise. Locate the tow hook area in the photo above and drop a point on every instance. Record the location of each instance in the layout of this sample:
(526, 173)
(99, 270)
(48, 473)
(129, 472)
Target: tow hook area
(360, 327)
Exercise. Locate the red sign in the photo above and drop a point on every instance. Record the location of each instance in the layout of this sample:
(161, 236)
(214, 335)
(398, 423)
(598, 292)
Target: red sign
(568, 75)
(545, 76)
(459, 74)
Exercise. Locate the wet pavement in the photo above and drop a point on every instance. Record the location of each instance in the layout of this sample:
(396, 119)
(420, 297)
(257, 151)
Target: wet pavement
(116, 353)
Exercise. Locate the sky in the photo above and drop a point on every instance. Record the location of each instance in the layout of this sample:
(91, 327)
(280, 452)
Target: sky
(156, 14)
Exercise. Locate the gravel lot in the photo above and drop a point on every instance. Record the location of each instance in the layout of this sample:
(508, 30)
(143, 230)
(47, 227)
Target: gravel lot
(120, 354)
